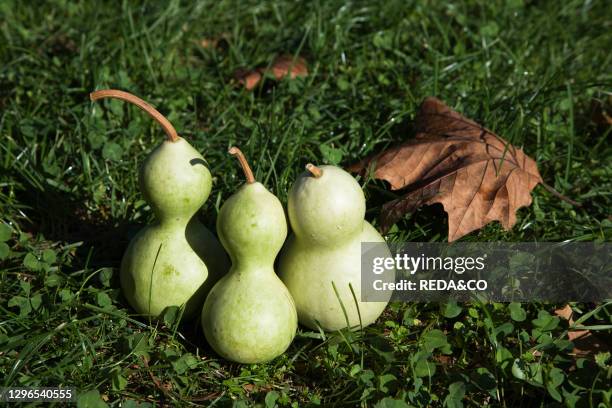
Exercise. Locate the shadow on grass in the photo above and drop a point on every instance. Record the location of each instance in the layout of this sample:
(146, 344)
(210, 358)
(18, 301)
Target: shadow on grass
(60, 216)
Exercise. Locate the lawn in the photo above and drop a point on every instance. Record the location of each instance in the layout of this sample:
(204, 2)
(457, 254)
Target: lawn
(537, 73)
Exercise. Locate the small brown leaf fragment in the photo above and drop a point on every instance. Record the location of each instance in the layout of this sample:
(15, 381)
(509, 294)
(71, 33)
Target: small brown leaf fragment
(154, 379)
(586, 343)
(249, 387)
(576, 334)
(446, 361)
(216, 41)
(566, 313)
(283, 66)
(249, 79)
(209, 43)
(476, 175)
(288, 65)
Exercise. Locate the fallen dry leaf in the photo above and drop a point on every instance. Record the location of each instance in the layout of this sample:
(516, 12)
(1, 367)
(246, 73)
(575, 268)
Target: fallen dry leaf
(249, 79)
(209, 42)
(288, 65)
(446, 361)
(586, 343)
(476, 175)
(214, 42)
(283, 66)
(566, 313)
(249, 387)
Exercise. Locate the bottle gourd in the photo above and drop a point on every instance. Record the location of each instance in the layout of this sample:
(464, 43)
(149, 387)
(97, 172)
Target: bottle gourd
(176, 260)
(322, 257)
(249, 315)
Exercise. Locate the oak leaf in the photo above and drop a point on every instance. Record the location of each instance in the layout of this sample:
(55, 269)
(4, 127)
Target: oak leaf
(476, 175)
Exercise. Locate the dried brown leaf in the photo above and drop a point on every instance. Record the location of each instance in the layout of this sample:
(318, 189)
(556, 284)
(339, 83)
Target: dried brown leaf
(288, 65)
(476, 175)
(216, 41)
(283, 66)
(249, 79)
(444, 360)
(208, 43)
(565, 313)
(249, 387)
(586, 343)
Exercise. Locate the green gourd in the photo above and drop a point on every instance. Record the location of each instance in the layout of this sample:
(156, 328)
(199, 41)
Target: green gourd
(323, 255)
(249, 315)
(176, 260)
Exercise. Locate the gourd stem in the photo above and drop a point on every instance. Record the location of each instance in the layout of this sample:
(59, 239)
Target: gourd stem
(314, 170)
(128, 97)
(234, 151)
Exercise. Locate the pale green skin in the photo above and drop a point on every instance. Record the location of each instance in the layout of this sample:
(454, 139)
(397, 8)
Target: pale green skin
(176, 260)
(327, 218)
(249, 315)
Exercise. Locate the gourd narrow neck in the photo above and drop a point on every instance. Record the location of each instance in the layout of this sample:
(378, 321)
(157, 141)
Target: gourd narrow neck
(176, 221)
(326, 244)
(252, 268)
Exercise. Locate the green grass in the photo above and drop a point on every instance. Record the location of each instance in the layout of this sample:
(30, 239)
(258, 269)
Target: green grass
(68, 187)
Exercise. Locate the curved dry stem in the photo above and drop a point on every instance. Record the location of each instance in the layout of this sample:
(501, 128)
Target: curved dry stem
(314, 170)
(557, 194)
(128, 97)
(234, 151)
